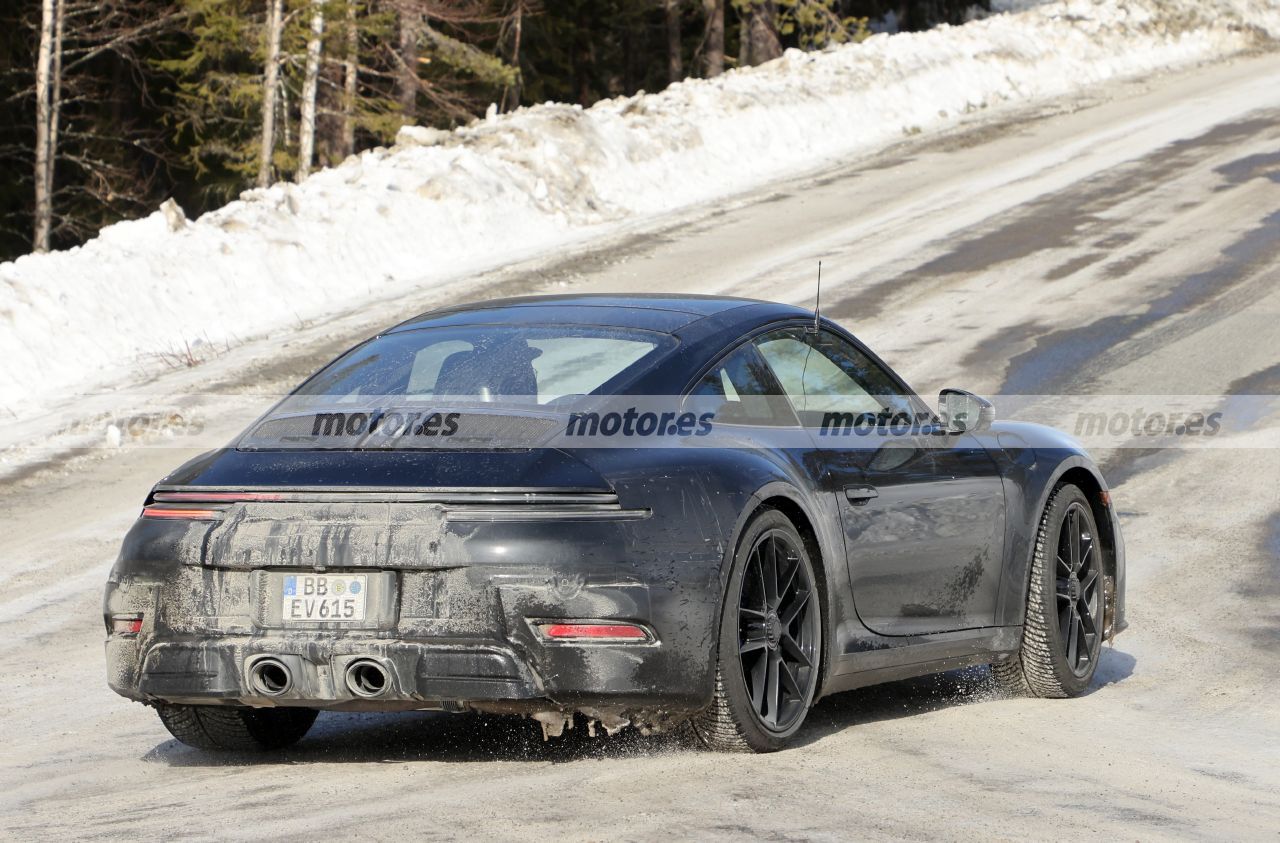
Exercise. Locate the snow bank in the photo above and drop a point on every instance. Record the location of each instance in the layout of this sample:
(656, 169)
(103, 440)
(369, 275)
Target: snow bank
(441, 205)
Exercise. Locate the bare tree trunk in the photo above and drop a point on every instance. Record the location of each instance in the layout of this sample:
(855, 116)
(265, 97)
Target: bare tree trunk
(270, 88)
(675, 62)
(350, 82)
(285, 137)
(511, 95)
(310, 79)
(55, 104)
(44, 115)
(630, 65)
(763, 43)
(714, 36)
(407, 78)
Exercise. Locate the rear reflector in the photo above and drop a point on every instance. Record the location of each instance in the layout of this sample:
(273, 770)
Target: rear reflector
(595, 631)
(181, 513)
(126, 624)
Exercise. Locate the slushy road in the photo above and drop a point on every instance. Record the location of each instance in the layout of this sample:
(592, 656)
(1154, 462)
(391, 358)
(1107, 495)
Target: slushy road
(1123, 243)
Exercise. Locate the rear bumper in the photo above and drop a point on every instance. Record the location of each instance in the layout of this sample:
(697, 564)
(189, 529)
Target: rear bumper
(454, 595)
(450, 640)
(421, 675)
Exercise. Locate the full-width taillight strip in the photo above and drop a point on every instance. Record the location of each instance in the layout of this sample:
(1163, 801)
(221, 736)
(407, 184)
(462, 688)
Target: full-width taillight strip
(217, 497)
(181, 513)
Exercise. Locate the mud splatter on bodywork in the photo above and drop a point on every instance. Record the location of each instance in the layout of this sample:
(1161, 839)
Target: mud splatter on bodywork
(451, 610)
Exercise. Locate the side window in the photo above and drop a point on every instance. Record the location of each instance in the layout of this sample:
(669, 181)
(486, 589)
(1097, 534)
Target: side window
(822, 374)
(740, 389)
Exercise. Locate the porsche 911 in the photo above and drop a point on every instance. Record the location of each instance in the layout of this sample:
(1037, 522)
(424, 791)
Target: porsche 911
(661, 512)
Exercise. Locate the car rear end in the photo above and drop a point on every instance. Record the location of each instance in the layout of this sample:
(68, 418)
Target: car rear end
(526, 600)
(398, 535)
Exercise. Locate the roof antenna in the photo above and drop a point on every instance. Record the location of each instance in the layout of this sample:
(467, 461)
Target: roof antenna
(817, 301)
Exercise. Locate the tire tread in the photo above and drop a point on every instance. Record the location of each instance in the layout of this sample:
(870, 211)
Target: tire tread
(226, 729)
(716, 726)
(1033, 672)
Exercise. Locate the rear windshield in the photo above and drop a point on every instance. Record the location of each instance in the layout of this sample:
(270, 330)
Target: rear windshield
(535, 365)
(398, 390)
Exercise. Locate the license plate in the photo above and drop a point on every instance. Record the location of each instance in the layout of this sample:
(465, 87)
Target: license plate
(324, 597)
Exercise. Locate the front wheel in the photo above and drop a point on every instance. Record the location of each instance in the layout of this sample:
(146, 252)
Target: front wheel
(770, 643)
(1062, 635)
(228, 729)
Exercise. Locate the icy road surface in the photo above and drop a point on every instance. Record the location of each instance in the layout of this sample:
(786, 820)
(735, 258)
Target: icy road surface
(1125, 244)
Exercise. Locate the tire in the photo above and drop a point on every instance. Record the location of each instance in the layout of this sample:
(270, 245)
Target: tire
(759, 644)
(227, 729)
(1046, 665)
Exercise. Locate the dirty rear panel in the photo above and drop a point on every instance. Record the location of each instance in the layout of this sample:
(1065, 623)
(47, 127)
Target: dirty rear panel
(457, 583)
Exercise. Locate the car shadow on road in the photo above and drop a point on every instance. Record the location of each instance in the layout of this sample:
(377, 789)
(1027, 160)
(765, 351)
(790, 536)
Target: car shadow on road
(925, 694)
(342, 737)
(1114, 666)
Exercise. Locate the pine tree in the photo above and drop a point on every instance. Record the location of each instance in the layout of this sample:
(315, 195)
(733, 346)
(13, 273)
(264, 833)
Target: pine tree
(108, 108)
(448, 58)
(815, 24)
(217, 120)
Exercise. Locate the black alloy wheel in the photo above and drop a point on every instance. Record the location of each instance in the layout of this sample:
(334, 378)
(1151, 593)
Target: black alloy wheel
(770, 642)
(1066, 604)
(777, 631)
(1079, 589)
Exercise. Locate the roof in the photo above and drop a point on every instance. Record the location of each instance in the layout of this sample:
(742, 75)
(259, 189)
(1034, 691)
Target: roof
(655, 312)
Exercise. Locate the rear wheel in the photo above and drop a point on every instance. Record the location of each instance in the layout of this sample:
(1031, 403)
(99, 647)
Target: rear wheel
(223, 728)
(1062, 635)
(770, 643)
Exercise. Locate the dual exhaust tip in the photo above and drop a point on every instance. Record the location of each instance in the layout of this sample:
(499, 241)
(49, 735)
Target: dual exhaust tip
(270, 677)
(365, 678)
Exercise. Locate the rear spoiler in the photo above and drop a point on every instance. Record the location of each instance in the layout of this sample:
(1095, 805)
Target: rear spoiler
(208, 503)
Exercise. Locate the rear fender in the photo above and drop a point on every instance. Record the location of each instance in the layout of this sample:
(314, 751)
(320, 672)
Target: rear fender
(815, 523)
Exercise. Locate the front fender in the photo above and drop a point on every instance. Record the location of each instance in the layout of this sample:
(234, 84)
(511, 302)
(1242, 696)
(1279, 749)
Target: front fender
(1034, 460)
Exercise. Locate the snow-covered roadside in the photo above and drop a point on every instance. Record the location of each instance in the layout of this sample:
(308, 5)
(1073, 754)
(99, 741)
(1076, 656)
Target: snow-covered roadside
(441, 205)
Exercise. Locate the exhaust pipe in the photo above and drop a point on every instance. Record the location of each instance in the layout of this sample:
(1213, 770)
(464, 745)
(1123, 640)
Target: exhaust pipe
(270, 677)
(368, 679)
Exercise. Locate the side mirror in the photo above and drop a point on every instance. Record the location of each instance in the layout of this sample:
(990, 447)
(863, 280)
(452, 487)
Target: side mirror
(964, 412)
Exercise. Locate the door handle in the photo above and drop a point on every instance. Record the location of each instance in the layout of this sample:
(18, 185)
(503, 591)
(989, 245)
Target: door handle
(859, 495)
